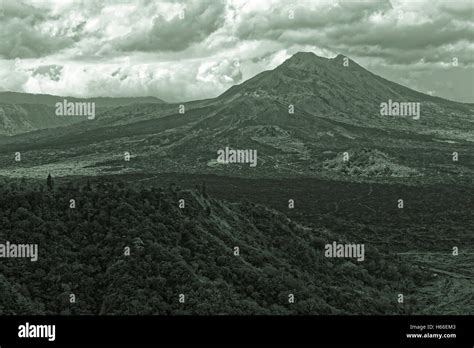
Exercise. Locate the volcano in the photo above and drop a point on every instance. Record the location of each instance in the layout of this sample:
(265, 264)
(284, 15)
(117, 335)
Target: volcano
(298, 116)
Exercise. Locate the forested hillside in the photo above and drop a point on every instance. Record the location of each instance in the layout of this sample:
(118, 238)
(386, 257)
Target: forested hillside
(173, 251)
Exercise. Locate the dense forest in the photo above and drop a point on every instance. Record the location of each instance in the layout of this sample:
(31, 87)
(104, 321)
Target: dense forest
(126, 250)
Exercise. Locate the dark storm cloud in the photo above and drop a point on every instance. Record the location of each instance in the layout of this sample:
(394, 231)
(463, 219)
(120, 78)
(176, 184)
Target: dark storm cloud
(435, 33)
(300, 15)
(401, 35)
(20, 10)
(198, 20)
(19, 39)
(20, 35)
(396, 56)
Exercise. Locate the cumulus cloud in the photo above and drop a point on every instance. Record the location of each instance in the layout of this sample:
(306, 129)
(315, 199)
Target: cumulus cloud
(223, 72)
(53, 72)
(11, 77)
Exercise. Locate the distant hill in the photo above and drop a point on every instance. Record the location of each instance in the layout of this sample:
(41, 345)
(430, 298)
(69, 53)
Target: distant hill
(51, 100)
(23, 118)
(23, 112)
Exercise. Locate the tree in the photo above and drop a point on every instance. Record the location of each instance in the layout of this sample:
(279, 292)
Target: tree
(49, 182)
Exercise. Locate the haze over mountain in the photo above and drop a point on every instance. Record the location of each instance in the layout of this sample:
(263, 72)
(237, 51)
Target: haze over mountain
(336, 105)
(25, 112)
(51, 100)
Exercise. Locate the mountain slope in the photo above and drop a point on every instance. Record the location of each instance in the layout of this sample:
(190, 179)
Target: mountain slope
(176, 251)
(327, 88)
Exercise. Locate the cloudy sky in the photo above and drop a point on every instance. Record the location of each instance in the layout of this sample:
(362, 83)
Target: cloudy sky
(185, 50)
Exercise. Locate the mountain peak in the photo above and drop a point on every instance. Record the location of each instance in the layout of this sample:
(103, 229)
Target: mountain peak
(309, 60)
(304, 61)
(306, 56)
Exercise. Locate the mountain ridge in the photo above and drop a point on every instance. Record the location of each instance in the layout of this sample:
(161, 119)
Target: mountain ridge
(25, 112)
